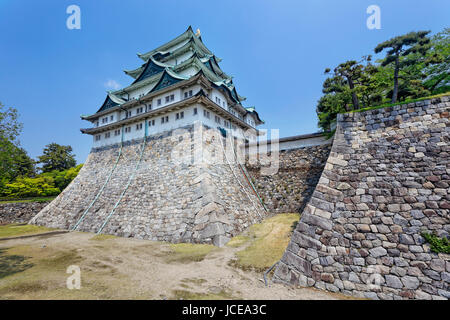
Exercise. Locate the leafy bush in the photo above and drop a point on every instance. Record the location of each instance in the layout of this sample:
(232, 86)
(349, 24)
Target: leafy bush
(63, 178)
(44, 185)
(31, 187)
(438, 245)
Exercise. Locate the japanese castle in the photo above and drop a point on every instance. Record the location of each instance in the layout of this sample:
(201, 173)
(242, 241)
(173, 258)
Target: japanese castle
(179, 83)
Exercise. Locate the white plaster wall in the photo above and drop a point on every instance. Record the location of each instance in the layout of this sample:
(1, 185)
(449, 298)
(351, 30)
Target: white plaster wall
(294, 144)
(189, 119)
(216, 93)
(142, 91)
(178, 96)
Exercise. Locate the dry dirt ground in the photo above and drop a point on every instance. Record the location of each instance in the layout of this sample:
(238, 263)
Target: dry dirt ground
(119, 268)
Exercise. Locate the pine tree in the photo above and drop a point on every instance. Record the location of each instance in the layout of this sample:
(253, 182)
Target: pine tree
(57, 157)
(398, 48)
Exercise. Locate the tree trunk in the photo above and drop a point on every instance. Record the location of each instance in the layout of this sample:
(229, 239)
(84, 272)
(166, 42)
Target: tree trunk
(397, 67)
(354, 96)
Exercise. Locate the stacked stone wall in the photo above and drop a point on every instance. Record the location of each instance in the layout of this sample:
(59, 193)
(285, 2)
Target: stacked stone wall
(19, 212)
(385, 182)
(165, 196)
(290, 187)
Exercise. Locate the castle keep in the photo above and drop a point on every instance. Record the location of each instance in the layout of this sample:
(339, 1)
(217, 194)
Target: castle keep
(164, 160)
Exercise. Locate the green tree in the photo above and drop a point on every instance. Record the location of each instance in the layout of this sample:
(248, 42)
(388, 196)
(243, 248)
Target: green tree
(349, 84)
(437, 69)
(398, 49)
(57, 157)
(63, 178)
(14, 161)
(23, 165)
(10, 127)
(349, 73)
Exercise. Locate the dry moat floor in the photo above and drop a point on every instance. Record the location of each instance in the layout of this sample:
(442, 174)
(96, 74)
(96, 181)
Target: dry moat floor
(118, 268)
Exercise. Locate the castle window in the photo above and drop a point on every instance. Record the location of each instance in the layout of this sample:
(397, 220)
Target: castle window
(179, 115)
(195, 111)
(107, 135)
(127, 129)
(151, 122)
(117, 132)
(206, 114)
(96, 124)
(172, 97)
(159, 102)
(98, 137)
(167, 99)
(111, 118)
(139, 126)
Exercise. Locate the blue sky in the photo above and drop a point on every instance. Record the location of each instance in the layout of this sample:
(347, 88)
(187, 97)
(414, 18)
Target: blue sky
(276, 51)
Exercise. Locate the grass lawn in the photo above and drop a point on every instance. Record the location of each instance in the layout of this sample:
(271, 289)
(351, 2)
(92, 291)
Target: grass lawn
(264, 243)
(187, 252)
(15, 230)
(37, 199)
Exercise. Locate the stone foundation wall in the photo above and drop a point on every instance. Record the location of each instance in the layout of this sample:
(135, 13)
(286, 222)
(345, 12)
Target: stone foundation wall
(386, 180)
(182, 190)
(290, 188)
(20, 212)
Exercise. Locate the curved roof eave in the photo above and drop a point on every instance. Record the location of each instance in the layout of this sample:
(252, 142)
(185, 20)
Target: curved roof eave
(241, 97)
(221, 84)
(157, 66)
(252, 110)
(195, 60)
(215, 66)
(110, 101)
(170, 76)
(136, 73)
(189, 32)
(193, 42)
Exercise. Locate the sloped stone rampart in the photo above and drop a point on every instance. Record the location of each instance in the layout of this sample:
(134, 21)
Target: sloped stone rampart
(170, 196)
(385, 182)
